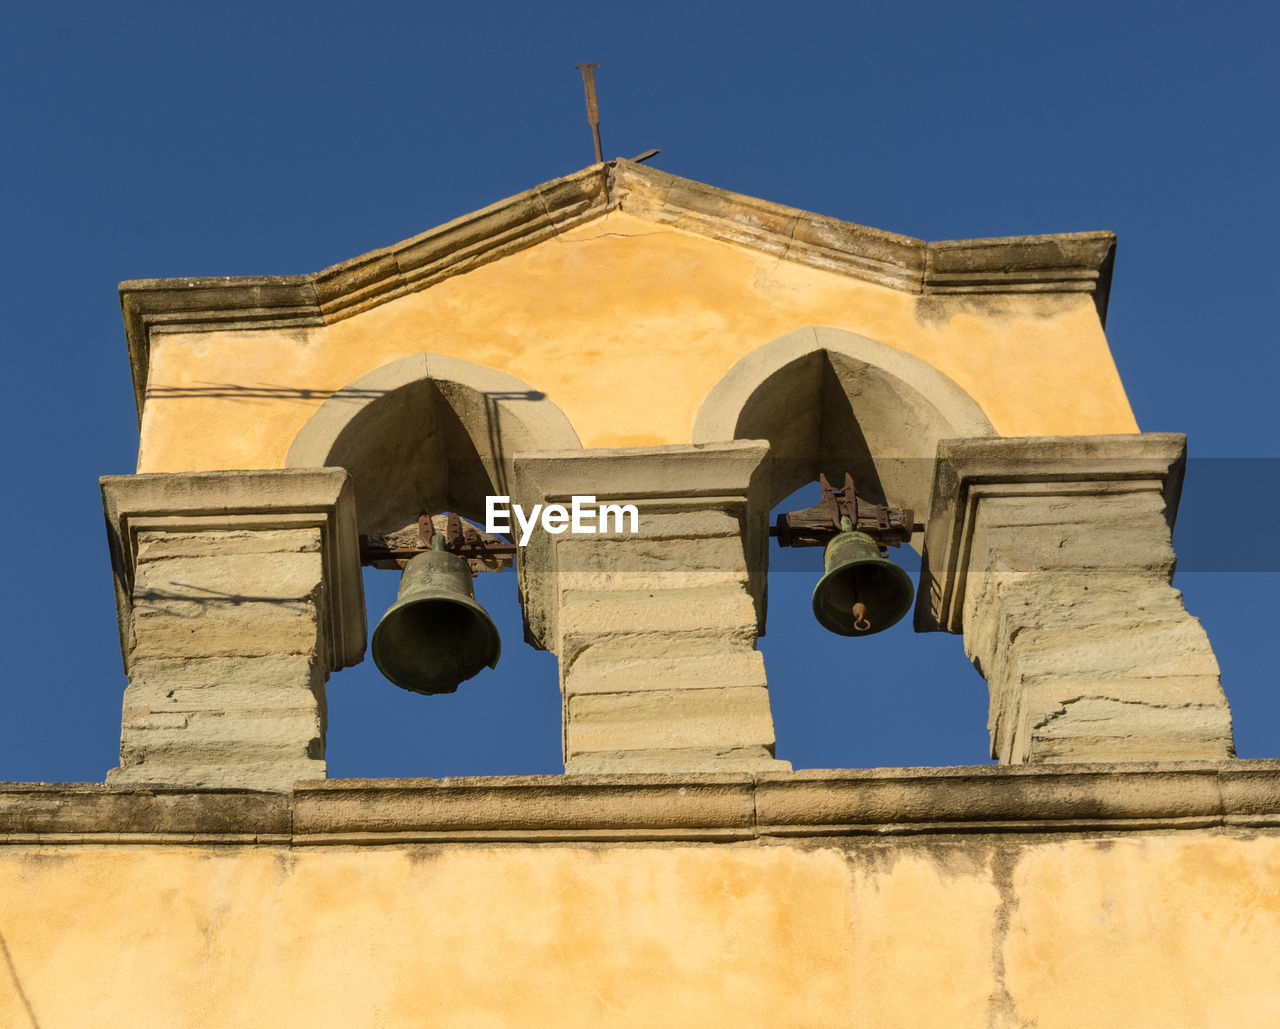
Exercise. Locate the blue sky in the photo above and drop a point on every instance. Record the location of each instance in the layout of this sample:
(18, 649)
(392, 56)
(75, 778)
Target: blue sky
(159, 140)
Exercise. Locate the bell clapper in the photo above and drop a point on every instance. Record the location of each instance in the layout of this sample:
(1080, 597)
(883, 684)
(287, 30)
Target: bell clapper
(860, 617)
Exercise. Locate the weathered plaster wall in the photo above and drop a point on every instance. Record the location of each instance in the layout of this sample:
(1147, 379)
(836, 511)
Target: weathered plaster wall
(626, 325)
(1174, 929)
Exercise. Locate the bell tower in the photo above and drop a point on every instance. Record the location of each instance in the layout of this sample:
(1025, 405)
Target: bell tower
(687, 355)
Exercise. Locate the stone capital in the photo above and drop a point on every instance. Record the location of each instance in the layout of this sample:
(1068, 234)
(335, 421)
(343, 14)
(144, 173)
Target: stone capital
(298, 498)
(970, 472)
(663, 482)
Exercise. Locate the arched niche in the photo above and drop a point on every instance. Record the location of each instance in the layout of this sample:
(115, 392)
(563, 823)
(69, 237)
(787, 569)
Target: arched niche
(428, 432)
(832, 401)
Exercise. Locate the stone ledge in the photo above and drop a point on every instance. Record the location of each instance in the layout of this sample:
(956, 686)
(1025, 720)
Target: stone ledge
(655, 808)
(55, 810)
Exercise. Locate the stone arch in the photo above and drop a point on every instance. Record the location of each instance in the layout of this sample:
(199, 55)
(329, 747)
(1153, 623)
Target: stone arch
(832, 401)
(429, 431)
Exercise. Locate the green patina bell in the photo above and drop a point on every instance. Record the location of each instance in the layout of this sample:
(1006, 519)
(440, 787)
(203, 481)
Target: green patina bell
(436, 635)
(861, 592)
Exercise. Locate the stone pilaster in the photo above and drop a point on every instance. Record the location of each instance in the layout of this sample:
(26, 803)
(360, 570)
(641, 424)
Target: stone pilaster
(656, 630)
(237, 593)
(1054, 557)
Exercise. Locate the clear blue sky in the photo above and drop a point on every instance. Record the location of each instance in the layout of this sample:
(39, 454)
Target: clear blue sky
(159, 140)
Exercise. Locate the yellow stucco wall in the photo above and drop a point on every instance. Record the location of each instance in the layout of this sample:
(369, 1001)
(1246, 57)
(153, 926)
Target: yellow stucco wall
(626, 325)
(1176, 929)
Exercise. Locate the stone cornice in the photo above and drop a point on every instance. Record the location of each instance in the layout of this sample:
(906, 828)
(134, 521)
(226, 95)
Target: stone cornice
(1063, 263)
(898, 802)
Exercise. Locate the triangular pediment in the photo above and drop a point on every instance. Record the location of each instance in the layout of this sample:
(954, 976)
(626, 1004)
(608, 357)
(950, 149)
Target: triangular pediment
(1063, 263)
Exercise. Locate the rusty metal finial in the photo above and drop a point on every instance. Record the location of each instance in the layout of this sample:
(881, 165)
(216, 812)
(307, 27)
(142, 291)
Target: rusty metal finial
(593, 107)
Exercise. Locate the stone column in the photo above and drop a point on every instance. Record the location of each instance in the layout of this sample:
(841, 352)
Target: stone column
(656, 630)
(1054, 557)
(237, 593)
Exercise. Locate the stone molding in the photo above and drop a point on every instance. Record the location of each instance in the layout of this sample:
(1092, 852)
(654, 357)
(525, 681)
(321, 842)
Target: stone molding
(296, 498)
(1085, 798)
(515, 399)
(833, 401)
(1059, 263)
(971, 470)
(717, 418)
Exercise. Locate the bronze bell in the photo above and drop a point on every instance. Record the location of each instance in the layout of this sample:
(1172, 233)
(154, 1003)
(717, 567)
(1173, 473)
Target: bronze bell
(436, 635)
(861, 592)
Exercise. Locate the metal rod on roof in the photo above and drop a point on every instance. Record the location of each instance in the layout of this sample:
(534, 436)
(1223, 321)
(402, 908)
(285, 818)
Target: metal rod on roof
(593, 108)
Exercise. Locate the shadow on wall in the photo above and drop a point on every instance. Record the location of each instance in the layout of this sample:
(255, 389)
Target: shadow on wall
(17, 982)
